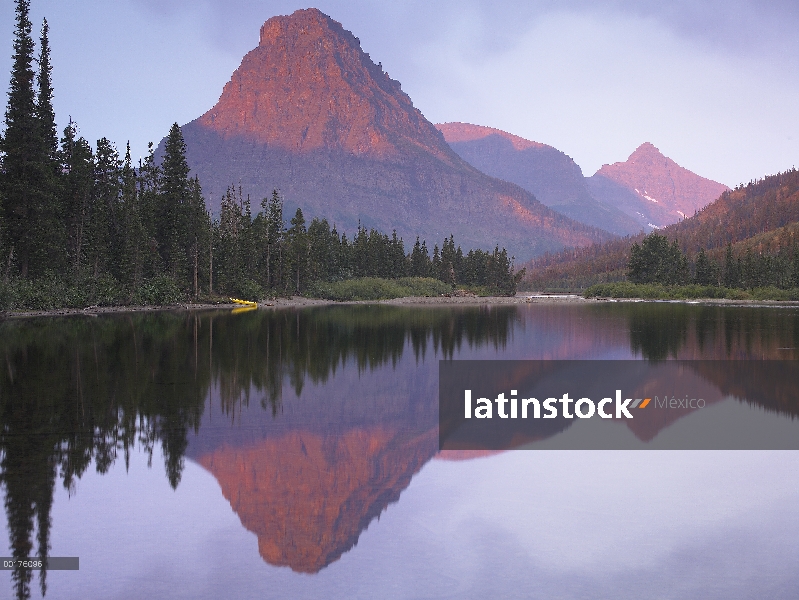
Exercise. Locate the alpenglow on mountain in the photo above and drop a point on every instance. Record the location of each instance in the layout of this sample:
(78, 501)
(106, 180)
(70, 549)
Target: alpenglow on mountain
(552, 176)
(653, 188)
(308, 113)
(645, 192)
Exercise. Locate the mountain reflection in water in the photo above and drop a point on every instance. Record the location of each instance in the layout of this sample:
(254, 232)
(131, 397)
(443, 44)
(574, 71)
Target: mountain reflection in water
(312, 421)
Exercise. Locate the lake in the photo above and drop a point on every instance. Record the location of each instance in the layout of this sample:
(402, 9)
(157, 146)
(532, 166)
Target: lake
(294, 453)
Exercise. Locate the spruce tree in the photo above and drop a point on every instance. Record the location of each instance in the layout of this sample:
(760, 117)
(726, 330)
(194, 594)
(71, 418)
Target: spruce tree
(298, 247)
(171, 215)
(21, 151)
(103, 224)
(133, 241)
(77, 163)
(272, 238)
(50, 246)
(44, 100)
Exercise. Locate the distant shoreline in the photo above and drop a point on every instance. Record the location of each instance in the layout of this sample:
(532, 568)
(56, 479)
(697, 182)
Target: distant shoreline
(300, 302)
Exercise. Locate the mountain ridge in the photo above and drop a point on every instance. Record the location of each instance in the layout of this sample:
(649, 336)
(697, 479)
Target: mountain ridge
(549, 174)
(308, 113)
(653, 186)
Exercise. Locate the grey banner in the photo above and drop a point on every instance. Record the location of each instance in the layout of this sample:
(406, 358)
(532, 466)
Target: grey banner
(51, 563)
(630, 404)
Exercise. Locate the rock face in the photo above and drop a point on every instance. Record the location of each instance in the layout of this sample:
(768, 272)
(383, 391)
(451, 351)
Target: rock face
(310, 114)
(653, 188)
(552, 176)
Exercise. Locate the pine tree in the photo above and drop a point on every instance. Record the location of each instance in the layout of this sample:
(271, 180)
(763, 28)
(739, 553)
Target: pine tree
(103, 225)
(149, 184)
(199, 231)
(298, 248)
(133, 242)
(271, 237)
(230, 245)
(77, 163)
(50, 247)
(705, 270)
(21, 153)
(732, 272)
(44, 100)
(171, 213)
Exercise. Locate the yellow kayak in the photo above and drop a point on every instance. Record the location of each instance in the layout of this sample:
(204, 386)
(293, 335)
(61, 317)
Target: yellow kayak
(244, 302)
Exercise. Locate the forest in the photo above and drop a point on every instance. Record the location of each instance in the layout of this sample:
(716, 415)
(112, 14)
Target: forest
(83, 226)
(748, 239)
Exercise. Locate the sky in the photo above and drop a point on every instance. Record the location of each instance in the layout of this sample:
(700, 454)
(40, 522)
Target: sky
(713, 84)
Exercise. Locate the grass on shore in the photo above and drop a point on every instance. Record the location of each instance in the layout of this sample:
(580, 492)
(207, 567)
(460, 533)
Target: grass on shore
(686, 292)
(51, 292)
(374, 288)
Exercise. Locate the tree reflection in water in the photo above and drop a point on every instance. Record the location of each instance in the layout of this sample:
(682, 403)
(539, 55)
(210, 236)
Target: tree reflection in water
(79, 390)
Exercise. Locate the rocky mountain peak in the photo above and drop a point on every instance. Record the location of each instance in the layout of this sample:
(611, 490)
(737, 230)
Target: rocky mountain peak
(660, 181)
(309, 85)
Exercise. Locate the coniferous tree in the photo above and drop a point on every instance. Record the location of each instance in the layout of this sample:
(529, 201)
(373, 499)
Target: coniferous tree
(51, 246)
(230, 260)
(149, 184)
(271, 237)
(322, 250)
(297, 241)
(44, 99)
(77, 165)
(171, 213)
(420, 260)
(21, 153)
(706, 272)
(200, 234)
(103, 226)
(133, 243)
(732, 273)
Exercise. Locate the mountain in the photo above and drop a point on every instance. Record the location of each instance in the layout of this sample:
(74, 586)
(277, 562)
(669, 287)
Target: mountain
(552, 176)
(762, 216)
(653, 188)
(309, 113)
(308, 497)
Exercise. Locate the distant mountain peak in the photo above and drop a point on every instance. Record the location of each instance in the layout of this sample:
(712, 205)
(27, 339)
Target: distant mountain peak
(466, 132)
(656, 178)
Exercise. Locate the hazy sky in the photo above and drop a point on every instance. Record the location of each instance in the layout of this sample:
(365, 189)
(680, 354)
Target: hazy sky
(714, 85)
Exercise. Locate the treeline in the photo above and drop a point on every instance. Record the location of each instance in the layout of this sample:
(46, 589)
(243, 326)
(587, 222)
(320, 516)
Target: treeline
(760, 219)
(80, 226)
(657, 261)
(265, 253)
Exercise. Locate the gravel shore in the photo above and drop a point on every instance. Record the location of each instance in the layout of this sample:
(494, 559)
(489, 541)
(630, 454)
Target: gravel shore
(469, 300)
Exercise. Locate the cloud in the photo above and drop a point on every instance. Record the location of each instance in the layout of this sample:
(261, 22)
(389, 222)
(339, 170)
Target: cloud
(730, 25)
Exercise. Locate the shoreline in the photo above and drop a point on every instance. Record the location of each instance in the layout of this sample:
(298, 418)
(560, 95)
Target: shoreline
(300, 302)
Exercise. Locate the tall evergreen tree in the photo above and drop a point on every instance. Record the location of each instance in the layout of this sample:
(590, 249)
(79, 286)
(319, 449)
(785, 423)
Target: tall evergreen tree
(149, 183)
(271, 240)
(171, 215)
(133, 240)
(103, 224)
(44, 99)
(21, 152)
(77, 163)
(297, 237)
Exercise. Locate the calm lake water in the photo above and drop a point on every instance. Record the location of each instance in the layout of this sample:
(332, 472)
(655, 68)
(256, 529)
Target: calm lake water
(294, 454)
